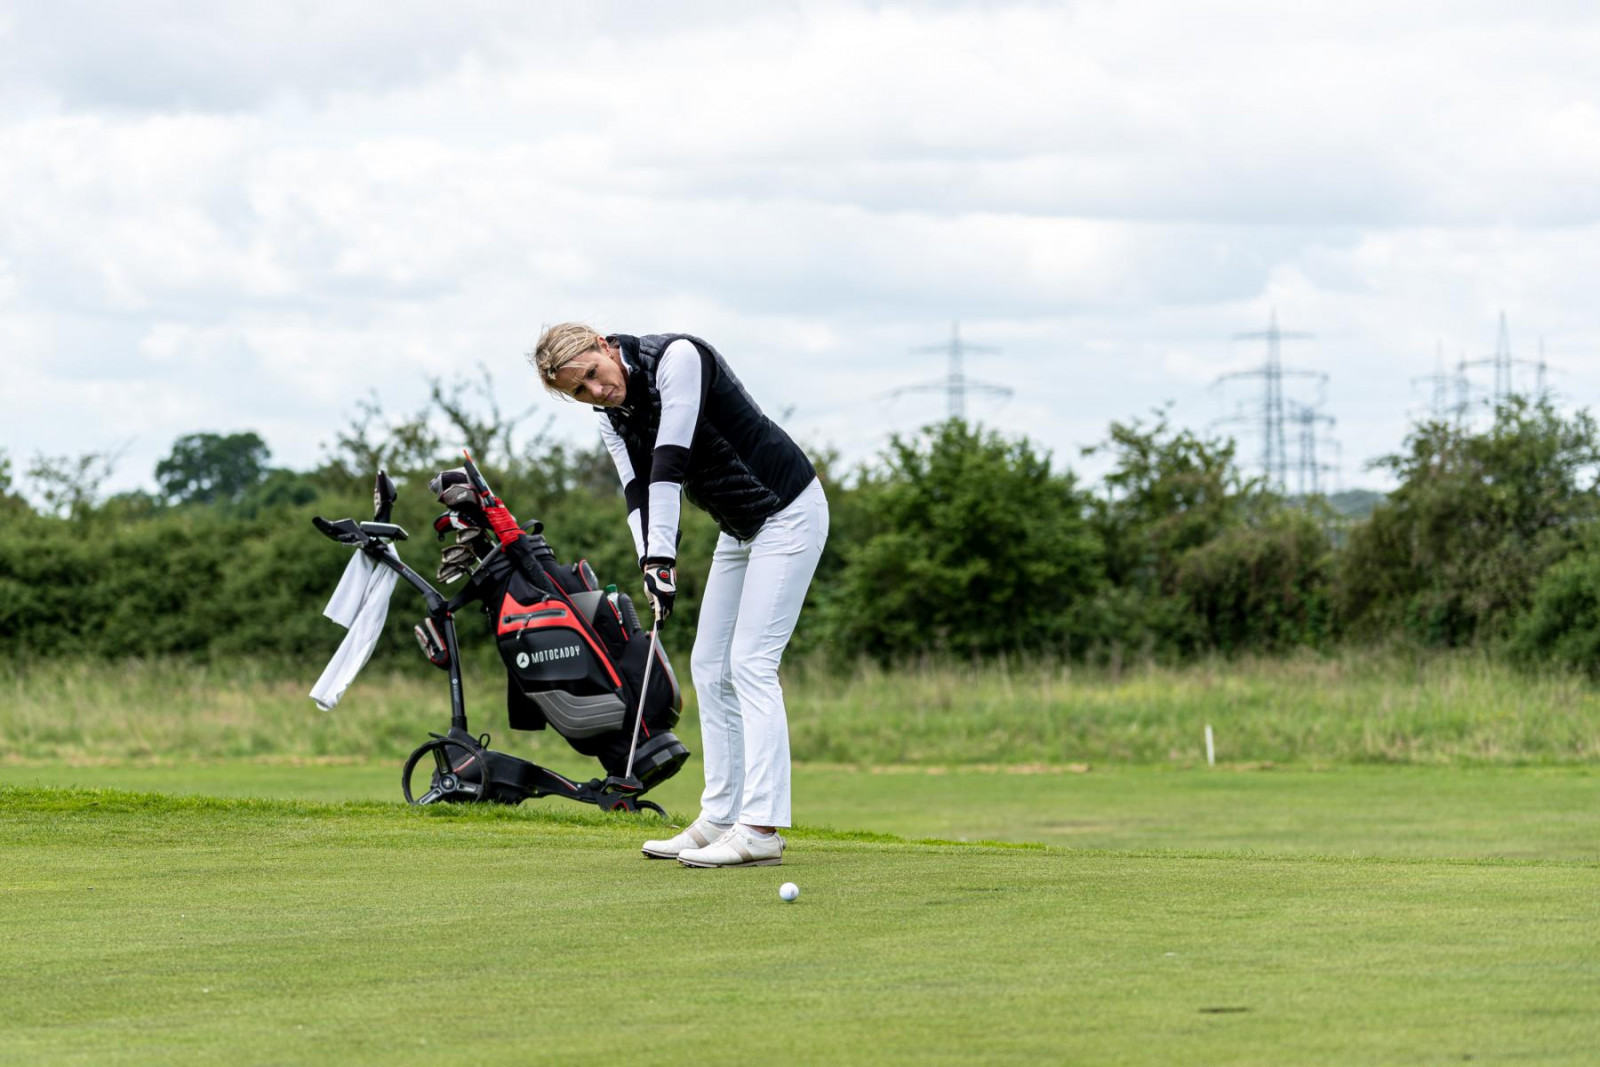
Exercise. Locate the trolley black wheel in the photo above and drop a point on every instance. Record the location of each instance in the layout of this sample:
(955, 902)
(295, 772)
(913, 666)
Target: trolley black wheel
(460, 774)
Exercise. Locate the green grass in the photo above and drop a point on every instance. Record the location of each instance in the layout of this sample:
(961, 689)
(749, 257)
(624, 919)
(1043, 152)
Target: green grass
(1395, 862)
(1352, 707)
(149, 929)
(1349, 708)
(1437, 812)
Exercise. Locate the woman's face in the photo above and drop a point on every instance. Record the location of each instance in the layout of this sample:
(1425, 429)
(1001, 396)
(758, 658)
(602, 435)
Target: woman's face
(595, 378)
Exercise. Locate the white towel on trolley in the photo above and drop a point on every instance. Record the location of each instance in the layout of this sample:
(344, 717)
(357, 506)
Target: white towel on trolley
(361, 605)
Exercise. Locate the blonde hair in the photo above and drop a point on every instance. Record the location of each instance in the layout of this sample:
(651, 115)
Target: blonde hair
(558, 346)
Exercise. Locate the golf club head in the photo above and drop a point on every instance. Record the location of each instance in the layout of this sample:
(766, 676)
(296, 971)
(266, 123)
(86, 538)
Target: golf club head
(625, 785)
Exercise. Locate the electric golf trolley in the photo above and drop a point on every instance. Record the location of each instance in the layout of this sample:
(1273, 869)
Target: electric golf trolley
(577, 661)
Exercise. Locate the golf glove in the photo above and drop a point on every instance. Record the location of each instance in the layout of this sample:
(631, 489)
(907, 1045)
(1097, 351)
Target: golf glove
(660, 585)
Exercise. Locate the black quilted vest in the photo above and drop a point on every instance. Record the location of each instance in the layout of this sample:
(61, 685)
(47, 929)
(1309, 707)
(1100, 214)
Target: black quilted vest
(742, 466)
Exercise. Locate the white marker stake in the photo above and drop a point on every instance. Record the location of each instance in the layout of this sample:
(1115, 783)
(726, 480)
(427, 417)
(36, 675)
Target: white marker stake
(1211, 751)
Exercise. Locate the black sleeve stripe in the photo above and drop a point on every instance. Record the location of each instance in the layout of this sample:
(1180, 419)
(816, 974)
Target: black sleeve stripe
(636, 493)
(671, 464)
(708, 369)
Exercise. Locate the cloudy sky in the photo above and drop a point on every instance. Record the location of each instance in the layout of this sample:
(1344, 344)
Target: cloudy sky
(246, 216)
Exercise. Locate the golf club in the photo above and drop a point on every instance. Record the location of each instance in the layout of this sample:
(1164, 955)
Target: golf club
(628, 783)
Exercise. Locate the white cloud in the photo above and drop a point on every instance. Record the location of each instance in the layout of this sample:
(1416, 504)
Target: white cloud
(246, 217)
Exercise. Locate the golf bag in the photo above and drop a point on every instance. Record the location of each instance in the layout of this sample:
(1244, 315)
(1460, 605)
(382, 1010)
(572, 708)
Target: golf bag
(576, 657)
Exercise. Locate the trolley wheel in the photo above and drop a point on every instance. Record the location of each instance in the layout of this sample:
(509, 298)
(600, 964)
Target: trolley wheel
(460, 775)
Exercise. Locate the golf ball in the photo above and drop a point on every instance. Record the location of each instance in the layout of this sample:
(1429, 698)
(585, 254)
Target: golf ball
(788, 891)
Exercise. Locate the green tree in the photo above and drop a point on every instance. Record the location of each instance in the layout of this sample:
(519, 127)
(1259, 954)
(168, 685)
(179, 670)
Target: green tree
(9, 500)
(70, 485)
(1169, 493)
(1454, 553)
(370, 440)
(209, 468)
(975, 546)
(462, 413)
(472, 410)
(278, 489)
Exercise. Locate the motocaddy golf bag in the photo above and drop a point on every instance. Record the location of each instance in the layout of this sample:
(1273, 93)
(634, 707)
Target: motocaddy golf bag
(575, 654)
(575, 657)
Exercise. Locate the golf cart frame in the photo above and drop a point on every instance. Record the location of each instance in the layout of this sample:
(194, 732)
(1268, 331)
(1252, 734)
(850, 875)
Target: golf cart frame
(465, 769)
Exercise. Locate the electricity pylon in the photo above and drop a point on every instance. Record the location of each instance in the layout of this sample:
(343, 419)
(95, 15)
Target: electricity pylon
(1505, 364)
(955, 384)
(1309, 470)
(1443, 382)
(1270, 420)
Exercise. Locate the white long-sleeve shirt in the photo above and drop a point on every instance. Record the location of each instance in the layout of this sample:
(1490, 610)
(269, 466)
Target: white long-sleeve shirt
(654, 503)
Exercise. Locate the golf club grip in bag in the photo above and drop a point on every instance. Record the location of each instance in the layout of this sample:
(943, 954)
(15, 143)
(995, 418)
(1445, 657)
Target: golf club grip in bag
(575, 658)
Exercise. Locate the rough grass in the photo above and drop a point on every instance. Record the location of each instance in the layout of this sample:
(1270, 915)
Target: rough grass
(1349, 708)
(157, 930)
(1353, 707)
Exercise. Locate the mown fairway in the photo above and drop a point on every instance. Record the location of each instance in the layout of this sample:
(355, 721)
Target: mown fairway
(157, 928)
(1417, 812)
(1440, 909)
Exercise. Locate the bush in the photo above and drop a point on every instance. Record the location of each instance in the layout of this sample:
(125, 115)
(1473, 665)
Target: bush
(193, 580)
(1563, 623)
(1260, 587)
(975, 546)
(252, 579)
(1188, 538)
(1453, 555)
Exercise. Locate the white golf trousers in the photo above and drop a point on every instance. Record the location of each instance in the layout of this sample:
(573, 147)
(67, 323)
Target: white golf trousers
(747, 614)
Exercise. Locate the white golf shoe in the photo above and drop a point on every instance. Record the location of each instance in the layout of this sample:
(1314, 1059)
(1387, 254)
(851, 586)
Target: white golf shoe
(739, 847)
(697, 834)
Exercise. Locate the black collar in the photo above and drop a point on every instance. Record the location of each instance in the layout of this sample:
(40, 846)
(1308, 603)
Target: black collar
(633, 371)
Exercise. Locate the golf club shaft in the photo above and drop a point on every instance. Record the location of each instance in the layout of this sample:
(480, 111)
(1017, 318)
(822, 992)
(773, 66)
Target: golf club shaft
(633, 742)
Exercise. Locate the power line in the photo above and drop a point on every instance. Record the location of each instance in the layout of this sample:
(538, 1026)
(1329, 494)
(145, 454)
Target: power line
(955, 384)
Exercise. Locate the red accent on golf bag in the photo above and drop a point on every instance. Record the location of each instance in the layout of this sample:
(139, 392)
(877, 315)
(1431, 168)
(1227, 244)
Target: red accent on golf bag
(550, 614)
(501, 521)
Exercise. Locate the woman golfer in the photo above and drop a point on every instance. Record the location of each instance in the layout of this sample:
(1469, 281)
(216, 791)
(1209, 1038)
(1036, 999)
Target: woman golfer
(675, 419)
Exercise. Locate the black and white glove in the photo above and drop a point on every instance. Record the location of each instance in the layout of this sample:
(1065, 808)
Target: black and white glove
(660, 586)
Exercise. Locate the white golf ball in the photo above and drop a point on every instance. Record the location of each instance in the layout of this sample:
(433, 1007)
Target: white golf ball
(788, 891)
